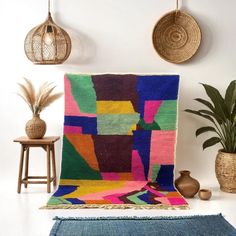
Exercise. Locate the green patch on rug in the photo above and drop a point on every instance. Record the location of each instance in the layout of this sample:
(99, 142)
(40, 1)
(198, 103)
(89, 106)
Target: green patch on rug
(57, 200)
(73, 164)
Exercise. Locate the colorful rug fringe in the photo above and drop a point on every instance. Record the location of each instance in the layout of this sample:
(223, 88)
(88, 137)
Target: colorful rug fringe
(119, 143)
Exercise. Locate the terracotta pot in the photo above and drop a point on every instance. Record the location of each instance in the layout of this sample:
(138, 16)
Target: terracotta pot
(204, 194)
(225, 168)
(187, 185)
(35, 128)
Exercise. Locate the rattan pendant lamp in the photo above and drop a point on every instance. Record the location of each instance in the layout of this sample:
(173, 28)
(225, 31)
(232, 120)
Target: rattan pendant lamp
(47, 43)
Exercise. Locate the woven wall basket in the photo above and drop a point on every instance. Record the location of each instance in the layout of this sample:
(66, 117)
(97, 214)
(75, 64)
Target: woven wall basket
(176, 36)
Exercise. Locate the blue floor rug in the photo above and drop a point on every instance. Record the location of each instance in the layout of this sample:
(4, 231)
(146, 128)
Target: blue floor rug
(211, 225)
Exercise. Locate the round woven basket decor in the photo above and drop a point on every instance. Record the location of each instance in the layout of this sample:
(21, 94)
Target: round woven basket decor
(176, 36)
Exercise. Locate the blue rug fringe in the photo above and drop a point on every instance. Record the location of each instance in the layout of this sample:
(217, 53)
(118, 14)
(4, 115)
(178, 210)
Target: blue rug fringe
(133, 217)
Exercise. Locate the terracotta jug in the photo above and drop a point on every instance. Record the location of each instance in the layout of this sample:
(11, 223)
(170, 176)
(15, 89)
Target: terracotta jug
(187, 185)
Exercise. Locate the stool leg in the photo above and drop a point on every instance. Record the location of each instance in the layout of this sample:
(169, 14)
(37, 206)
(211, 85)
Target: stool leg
(54, 166)
(21, 168)
(26, 166)
(48, 169)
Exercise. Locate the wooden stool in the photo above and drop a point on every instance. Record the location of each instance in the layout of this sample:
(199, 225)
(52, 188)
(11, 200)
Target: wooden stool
(47, 143)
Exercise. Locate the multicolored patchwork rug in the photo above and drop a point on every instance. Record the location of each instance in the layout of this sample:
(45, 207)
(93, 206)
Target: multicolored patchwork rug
(119, 142)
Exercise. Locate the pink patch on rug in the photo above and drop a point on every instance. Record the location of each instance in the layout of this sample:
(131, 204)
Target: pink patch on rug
(129, 186)
(163, 200)
(71, 106)
(110, 176)
(157, 193)
(177, 201)
(115, 198)
(137, 166)
(150, 110)
(162, 147)
(72, 129)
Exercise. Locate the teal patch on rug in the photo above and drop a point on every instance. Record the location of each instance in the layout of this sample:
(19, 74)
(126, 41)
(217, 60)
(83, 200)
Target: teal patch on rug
(210, 225)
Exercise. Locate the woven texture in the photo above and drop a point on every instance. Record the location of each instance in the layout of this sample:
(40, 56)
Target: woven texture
(119, 142)
(35, 128)
(166, 226)
(225, 168)
(176, 36)
(47, 43)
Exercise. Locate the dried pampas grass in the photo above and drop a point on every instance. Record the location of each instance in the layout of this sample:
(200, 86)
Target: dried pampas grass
(38, 101)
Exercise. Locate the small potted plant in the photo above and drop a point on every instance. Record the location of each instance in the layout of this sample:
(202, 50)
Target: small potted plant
(37, 102)
(221, 112)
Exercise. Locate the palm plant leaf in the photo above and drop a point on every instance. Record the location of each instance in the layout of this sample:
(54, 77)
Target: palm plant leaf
(234, 114)
(205, 129)
(212, 114)
(218, 101)
(200, 114)
(206, 103)
(210, 142)
(230, 96)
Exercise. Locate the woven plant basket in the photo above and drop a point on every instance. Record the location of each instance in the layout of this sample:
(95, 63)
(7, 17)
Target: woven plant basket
(225, 168)
(176, 36)
(35, 128)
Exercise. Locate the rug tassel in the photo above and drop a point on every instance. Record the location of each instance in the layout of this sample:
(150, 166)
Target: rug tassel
(112, 206)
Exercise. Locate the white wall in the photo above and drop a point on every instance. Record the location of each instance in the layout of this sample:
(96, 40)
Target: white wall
(113, 36)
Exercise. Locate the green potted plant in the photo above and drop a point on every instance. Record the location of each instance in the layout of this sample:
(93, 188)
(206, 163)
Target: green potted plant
(37, 102)
(221, 113)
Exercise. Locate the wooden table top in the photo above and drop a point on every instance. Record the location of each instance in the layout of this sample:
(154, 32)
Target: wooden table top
(44, 140)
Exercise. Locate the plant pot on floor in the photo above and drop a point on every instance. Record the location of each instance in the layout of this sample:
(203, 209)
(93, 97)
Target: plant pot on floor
(225, 168)
(35, 128)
